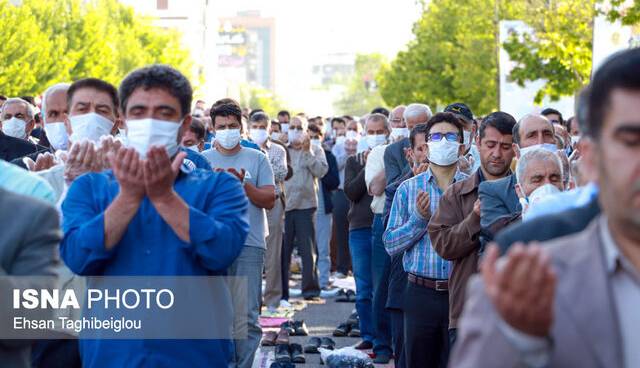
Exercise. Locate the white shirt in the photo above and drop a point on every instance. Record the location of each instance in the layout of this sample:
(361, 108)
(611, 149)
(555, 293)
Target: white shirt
(375, 165)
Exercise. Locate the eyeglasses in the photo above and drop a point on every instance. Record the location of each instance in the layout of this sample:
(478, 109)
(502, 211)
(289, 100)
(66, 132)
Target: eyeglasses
(295, 128)
(436, 137)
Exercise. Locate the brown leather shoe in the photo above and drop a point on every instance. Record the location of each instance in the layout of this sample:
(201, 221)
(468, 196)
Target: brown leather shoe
(283, 337)
(269, 338)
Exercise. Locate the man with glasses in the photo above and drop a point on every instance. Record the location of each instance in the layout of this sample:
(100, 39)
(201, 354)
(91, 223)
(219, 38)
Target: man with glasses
(426, 297)
(454, 228)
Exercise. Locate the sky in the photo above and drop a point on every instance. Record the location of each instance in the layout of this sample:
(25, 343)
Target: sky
(307, 30)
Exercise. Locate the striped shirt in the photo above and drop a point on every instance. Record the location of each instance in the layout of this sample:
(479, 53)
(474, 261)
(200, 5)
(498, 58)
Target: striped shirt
(406, 230)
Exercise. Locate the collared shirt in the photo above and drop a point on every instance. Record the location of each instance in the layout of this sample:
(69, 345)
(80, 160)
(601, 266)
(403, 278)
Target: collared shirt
(375, 165)
(20, 181)
(218, 227)
(278, 159)
(625, 282)
(406, 230)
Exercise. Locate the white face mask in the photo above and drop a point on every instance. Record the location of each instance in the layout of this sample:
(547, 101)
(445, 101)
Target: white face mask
(193, 148)
(545, 146)
(315, 142)
(399, 133)
(57, 135)
(285, 128)
(443, 152)
(352, 135)
(294, 136)
(536, 196)
(341, 139)
(259, 136)
(144, 133)
(15, 127)
(575, 139)
(228, 138)
(376, 140)
(275, 136)
(90, 127)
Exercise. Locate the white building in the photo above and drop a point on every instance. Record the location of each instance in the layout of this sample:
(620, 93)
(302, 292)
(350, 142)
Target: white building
(195, 21)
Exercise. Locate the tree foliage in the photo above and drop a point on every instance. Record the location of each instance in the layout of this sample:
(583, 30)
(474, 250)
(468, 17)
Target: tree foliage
(454, 56)
(361, 93)
(46, 42)
(559, 51)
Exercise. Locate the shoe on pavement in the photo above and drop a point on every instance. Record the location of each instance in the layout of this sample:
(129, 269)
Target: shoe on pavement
(269, 338)
(283, 353)
(311, 347)
(342, 330)
(327, 343)
(289, 327)
(282, 337)
(312, 298)
(364, 345)
(300, 328)
(297, 356)
(354, 332)
(282, 365)
(353, 319)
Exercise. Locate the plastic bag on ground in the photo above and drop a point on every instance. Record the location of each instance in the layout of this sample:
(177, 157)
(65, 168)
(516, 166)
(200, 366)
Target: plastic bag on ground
(347, 357)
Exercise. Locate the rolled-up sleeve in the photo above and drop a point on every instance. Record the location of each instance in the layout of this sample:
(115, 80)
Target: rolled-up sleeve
(219, 231)
(82, 247)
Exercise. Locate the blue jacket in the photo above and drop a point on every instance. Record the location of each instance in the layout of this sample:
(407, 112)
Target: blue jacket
(330, 181)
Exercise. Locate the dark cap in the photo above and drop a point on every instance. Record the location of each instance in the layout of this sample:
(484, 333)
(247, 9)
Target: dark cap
(460, 109)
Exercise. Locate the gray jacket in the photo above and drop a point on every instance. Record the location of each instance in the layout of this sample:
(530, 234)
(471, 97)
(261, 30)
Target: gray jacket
(585, 332)
(28, 247)
(302, 187)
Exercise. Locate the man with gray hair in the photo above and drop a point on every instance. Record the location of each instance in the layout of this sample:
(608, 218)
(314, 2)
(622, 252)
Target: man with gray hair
(54, 110)
(16, 121)
(500, 205)
(395, 160)
(539, 174)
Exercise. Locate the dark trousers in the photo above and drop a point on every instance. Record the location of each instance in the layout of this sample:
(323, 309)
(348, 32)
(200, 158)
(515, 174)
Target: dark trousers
(299, 229)
(426, 327)
(340, 211)
(381, 268)
(396, 317)
(453, 333)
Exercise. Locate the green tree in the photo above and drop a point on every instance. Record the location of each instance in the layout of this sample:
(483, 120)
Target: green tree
(560, 50)
(46, 42)
(361, 93)
(255, 97)
(454, 56)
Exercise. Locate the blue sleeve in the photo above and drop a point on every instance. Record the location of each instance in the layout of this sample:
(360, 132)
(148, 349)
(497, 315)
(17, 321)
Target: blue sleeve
(199, 160)
(249, 144)
(82, 247)
(219, 231)
(331, 180)
(492, 207)
(405, 224)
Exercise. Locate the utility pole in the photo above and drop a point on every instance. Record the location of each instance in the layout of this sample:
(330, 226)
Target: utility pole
(496, 14)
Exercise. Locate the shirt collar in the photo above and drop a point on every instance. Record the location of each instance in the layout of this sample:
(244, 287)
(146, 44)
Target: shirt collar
(614, 260)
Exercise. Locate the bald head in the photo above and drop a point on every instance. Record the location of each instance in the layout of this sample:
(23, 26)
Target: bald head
(396, 117)
(533, 129)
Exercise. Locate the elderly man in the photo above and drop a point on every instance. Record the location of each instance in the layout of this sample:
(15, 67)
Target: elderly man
(395, 160)
(309, 164)
(54, 111)
(16, 121)
(455, 227)
(360, 233)
(500, 205)
(539, 174)
(127, 220)
(572, 302)
(399, 128)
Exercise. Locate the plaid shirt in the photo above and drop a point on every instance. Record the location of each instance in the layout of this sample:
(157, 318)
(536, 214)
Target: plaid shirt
(406, 230)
